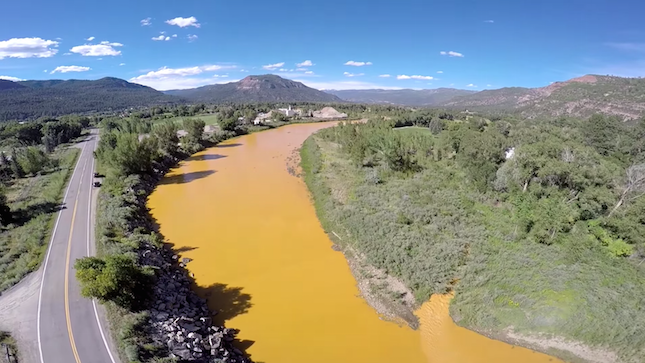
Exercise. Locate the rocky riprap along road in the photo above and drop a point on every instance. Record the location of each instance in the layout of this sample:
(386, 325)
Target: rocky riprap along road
(180, 320)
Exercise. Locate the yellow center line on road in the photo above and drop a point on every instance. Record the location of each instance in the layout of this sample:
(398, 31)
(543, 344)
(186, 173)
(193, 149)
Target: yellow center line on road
(67, 268)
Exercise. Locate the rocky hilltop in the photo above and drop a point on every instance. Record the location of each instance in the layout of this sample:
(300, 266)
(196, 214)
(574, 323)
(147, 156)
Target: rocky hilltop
(582, 96)
(263, 88)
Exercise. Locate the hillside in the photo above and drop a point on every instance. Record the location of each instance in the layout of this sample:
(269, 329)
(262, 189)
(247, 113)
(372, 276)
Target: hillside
(405, 97)
(583, 96)
(33, 99)
(264, 88)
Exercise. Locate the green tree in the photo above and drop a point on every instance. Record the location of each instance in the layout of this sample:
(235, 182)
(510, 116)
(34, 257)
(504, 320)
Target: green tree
(33, 160)
(166, 135)
(115, 278)
(5, 212)
(16, 168)
(228, 123)
(194, 128)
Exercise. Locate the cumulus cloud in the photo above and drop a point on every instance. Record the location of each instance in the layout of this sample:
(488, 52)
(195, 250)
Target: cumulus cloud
(273, 67)
(9, 78)
(451, 54)
(179, 78)
(489, 21)
(67, 69)
(184, 22)
(174, 35)
(28, 48)
(146, 22)
(105, 48)
(121, 64)
(357, 64)
(161, 37)
(489, 85)
(403, 76)
(309, 72)
(440, 72)
(90, 39)
(301, 69)
(385, 76)
(471, 85)
(306, 63)
(192, 37)
(347, 74)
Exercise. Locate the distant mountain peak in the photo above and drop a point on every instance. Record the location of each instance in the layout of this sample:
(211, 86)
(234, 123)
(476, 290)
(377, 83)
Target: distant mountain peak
(257, 88)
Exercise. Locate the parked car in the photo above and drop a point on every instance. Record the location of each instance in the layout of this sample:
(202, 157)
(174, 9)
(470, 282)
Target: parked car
(97, 184)
(97, 175)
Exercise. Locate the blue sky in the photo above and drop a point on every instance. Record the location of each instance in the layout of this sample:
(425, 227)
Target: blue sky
(338, 44)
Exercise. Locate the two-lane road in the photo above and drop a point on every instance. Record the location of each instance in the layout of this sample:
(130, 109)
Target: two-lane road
(68, 325)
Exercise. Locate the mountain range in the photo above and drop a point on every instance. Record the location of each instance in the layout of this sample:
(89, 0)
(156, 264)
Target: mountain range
(264, 88)
(32, 99)
(580, 97)
(405, 97)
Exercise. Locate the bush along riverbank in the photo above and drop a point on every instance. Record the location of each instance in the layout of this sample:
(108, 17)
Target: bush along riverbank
(535, 226)
(153, 313)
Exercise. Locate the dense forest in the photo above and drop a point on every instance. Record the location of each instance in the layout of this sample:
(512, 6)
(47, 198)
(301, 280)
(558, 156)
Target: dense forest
(33, 99)
(536, 225)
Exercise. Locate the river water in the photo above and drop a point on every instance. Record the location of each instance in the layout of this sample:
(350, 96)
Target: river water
(261, 258)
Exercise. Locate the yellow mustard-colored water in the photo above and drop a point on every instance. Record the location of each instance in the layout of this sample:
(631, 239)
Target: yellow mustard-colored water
(261, 258)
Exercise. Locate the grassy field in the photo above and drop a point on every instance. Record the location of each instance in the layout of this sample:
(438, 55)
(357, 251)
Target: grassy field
(33, 202)
(435, 232)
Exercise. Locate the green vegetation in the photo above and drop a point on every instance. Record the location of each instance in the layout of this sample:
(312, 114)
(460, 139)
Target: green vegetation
(33, 99)
(117, 277)
(547, 241)
(6, 340)
(32, 202)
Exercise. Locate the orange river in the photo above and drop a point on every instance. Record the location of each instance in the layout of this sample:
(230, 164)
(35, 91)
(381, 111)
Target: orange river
(261, 258)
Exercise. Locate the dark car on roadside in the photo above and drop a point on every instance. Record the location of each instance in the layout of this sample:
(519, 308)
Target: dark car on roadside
(97, 184)
(97, 175)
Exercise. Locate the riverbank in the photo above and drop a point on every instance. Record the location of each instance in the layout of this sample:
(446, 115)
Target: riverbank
(171, 321)
(431, 229)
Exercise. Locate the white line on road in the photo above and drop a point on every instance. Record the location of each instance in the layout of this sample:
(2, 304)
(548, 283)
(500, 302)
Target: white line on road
(89, 224)
(49, 249)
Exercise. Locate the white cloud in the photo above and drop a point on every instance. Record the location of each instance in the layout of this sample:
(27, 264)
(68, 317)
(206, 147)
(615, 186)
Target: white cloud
(385, 76)
(451, 54)
(90, 39)
(273, 67)
(146, 22)
(358, 64)
(440, 72)
(471, 85)
(45, 71)
(341, 85)
(309, 72)
(174, 35)
(301, 69)
(306, 63)
(184, 22)
(489, 21)
(121, 64)
(489, 85)
(161, 37)
(244, 70)
(179, 78)
(347, 74)
(403, 76)
(28, 48)
(9, 78)
(192, 37)
(97, 50)
(66, 69)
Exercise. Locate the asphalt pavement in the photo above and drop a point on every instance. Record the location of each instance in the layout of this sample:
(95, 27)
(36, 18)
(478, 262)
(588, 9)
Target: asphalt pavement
(69, 326)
